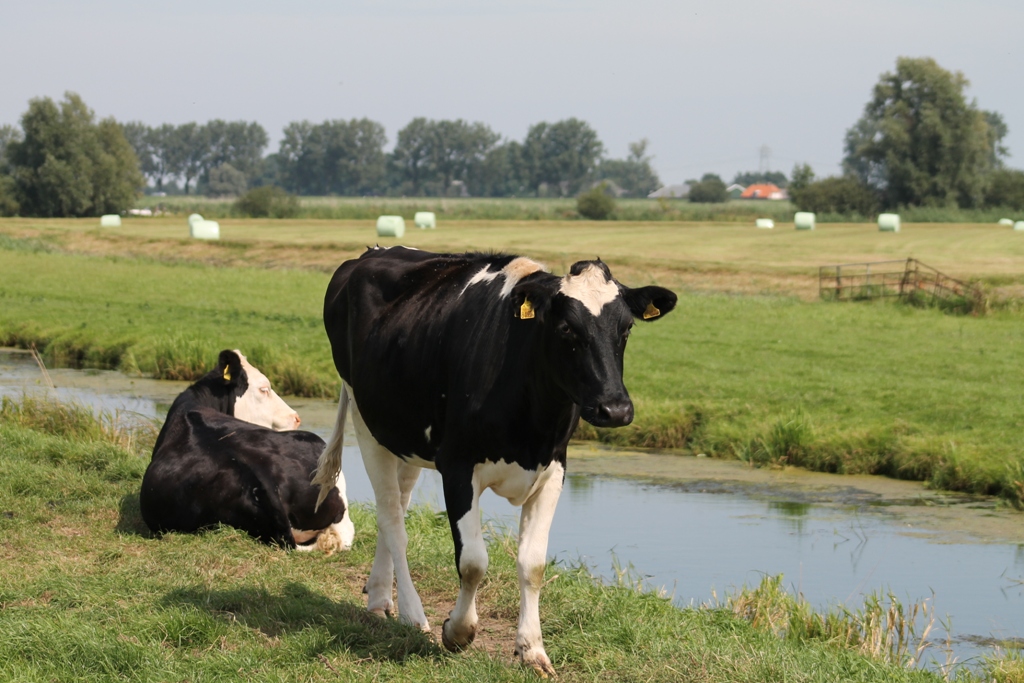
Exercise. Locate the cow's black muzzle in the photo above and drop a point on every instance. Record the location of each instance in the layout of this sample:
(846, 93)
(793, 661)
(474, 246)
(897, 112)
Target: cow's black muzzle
(618, 413)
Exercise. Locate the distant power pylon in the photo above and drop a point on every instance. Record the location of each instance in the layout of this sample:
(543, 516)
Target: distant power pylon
(765, 164)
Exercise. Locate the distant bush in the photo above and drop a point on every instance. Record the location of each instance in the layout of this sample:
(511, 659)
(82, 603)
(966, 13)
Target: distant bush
(267, 202)
(1006, 188)
(595, 204)
(710, 190)
(837, 195)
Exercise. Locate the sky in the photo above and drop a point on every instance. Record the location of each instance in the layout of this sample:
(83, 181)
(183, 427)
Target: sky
(709, 84)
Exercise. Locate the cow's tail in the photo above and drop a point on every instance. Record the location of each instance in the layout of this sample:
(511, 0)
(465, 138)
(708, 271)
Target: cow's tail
(329, 466)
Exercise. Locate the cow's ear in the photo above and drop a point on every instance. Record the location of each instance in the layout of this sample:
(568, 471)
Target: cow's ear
(649, 303)
(229, 368)
(530, 299)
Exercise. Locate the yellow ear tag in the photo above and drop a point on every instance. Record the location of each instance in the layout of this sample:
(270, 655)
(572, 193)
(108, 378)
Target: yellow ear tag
(526, 310)
(227, 373)
(651, 312)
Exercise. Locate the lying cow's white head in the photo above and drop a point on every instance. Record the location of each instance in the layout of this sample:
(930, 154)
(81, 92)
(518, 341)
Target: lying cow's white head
(585, 319)
(255, 400)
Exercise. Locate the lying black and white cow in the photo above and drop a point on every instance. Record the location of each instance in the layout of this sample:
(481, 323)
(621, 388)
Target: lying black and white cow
(479, 366)
(219, 460)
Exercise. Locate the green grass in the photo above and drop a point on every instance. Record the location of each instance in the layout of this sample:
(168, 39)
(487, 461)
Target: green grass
(87, 595)
(850, 388)
(168, 321)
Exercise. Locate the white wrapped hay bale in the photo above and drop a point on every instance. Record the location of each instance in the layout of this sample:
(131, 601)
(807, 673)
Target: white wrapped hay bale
(390, 226)
(425, 219)
(1019, 225)
(194, 218)
(110, 220)
(765, 223)
(889, 222)
(804, 220)
(204, 230)
(1006, 221)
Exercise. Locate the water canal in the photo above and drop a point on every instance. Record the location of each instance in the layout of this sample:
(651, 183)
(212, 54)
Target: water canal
(695, 527)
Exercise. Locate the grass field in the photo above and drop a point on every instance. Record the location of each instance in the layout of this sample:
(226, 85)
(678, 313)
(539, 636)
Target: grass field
(368, 208)
(884, 389)
(715, 256)
(739, 210)
(87, 595)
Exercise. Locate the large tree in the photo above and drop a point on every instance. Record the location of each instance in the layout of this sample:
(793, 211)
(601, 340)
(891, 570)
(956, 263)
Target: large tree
(501, 174)
(334, 157)
(561, 155)
(189, 146)
(633, 174)
(66, 164)
(458, 150)
(921, 142)
(430, 156)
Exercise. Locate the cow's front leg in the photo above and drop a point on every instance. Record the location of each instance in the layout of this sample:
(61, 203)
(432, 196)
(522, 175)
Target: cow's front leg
(462, 499)
(534, 525)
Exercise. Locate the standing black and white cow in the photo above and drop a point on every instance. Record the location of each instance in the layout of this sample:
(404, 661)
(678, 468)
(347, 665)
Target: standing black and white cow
(479, 366)
(221, 458)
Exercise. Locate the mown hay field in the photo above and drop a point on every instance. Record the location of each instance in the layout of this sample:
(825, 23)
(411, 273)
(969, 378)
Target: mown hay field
(984, 251)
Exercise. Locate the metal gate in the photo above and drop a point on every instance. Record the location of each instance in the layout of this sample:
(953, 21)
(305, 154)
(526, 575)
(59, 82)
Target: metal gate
(908, 279)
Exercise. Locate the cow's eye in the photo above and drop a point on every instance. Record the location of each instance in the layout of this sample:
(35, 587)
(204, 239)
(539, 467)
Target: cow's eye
(265, 390)
(564, 329)
(625, 332)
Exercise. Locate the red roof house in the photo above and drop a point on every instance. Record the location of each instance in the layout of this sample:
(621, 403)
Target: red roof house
(764, 191)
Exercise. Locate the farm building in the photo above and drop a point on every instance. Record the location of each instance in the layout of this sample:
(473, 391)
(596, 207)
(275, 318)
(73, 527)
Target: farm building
(764, 191)
(735, 191)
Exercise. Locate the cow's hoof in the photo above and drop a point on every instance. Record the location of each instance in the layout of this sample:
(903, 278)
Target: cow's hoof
(538, 661)
(382, 612)
(451, 644)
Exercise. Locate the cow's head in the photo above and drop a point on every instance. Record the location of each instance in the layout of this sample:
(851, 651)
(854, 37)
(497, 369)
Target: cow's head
(585, 319)
(255, 400)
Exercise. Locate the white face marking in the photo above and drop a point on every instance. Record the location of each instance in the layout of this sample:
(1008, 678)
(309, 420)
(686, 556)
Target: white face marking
(591, 288)
(426, 433)
(260, 404)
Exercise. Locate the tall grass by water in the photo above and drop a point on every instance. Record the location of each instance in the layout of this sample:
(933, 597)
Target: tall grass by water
(88, 594)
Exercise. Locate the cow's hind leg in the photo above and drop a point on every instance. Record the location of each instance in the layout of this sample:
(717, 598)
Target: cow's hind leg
(534, 526)
(462, 499)
(382, 468)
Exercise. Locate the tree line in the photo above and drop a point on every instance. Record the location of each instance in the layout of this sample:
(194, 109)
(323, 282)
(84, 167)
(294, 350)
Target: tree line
(919, 142)
(63, 162)
(429, 158)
